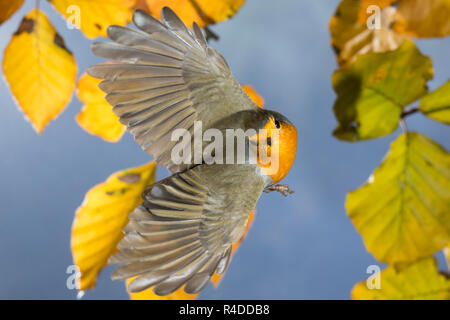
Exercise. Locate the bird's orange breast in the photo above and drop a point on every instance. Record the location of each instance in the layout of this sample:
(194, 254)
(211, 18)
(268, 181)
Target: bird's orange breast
(281, 150)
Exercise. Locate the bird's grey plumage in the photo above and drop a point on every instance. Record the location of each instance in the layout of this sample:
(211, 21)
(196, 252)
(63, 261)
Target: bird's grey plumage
(184, 230)
(165, 77)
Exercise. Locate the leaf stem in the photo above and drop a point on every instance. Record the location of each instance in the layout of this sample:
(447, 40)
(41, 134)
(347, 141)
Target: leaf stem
(403, 125)
(409, 112)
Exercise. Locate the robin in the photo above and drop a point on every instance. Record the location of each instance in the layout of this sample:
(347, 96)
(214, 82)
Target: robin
(165, 77)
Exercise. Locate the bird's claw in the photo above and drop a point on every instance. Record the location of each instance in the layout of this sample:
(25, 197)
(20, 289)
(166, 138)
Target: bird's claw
(281, 188)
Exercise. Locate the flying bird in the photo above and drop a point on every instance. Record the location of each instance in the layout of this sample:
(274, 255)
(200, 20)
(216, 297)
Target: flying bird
(164, 76)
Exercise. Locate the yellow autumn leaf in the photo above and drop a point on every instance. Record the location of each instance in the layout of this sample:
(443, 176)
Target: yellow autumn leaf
(402, 212)
(423, 19)
(421, 281)
(399, 20)
(97, 116)
(436, 104)
(204, 12)
(39, 69)
(94, 16)
(98, 223)
(350, 35)
(7, 9)
(447, 256)
(150, 295)
(364, 11)
(255, 96)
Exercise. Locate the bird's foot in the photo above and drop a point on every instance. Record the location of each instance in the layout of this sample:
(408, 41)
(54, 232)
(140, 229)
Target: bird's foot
(281, 188)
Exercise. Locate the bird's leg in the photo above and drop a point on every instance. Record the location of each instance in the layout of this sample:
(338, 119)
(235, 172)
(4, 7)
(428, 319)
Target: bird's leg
(281, 188)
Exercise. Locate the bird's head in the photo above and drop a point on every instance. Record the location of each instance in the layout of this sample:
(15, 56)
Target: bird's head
(280, 144)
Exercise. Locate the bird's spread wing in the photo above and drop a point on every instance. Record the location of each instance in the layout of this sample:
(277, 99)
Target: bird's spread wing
(184, 230)
(164, 77)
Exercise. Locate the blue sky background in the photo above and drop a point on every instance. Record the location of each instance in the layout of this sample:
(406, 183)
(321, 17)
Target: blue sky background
(300, 247)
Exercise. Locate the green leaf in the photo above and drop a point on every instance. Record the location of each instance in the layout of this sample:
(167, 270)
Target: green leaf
(420, 280)
(436, 104)
(373, 91)
(402, 212)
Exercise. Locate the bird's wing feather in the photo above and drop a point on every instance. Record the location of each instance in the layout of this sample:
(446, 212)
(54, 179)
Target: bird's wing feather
(184, 230)
(164, 77)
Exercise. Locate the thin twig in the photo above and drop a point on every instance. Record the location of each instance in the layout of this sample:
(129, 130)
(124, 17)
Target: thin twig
(409, 112)
(403, 125)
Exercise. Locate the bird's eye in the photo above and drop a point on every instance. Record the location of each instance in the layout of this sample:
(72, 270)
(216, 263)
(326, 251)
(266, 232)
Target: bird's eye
(277, 124)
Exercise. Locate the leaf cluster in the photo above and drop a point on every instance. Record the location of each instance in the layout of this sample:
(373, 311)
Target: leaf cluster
(403, 210)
